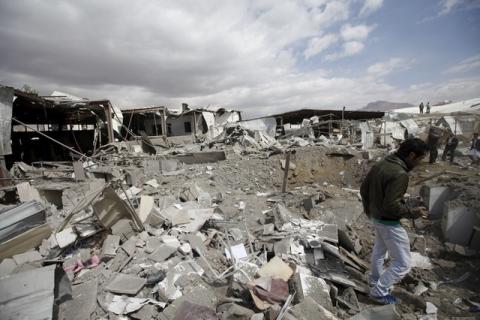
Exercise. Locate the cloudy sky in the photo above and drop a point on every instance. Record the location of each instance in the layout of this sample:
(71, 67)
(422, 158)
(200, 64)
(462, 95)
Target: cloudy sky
(259, 56)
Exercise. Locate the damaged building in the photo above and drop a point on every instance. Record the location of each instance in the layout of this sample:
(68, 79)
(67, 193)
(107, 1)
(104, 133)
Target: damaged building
(82, 125)
(183, 124)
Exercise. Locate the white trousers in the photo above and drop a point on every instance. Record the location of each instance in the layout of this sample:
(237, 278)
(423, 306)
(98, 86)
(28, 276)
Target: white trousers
(394, 240)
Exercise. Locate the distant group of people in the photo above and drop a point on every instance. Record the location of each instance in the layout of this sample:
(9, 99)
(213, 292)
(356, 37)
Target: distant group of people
(451, 143)
(421, 107)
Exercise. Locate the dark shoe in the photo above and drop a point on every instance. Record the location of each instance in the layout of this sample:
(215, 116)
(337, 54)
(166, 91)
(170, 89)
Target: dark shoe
(388, 299)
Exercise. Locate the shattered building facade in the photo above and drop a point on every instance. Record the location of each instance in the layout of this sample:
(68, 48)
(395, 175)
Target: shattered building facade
(162, 121)
(82, 125)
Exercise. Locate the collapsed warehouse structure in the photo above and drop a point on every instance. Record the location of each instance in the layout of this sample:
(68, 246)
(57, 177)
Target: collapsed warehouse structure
(185, 123)
(254, 219)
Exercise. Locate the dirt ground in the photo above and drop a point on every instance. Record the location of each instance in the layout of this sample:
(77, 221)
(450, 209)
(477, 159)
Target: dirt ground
(453, 280)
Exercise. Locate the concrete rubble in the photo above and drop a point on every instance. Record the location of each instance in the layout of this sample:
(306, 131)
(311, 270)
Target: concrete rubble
(155, 228)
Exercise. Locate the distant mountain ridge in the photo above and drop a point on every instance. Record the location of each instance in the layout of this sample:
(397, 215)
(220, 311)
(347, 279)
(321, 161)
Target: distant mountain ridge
(385, 106)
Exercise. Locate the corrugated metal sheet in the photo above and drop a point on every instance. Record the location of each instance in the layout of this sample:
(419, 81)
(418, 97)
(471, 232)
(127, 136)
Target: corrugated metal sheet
(6, 103)
(21, 218)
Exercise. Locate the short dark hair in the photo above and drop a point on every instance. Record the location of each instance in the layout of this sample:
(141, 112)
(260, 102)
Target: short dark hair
(415, 145)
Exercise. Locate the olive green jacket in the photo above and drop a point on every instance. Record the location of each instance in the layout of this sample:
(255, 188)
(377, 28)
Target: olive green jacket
(383, 189)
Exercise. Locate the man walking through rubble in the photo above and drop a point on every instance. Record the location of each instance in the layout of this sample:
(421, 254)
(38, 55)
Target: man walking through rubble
(382, 195)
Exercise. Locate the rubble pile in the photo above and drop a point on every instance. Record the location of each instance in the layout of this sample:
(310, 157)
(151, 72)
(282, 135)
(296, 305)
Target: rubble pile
(245, 221)
(140, 236)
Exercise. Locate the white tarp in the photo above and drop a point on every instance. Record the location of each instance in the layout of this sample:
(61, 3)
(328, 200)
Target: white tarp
(268, 125)
(395, 129)
(216, 122)
(411, 126)
(6, 104)
(463, 125)
(210, 121)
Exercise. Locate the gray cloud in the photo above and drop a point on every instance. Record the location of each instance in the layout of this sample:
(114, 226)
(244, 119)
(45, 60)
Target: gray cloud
(232, 53)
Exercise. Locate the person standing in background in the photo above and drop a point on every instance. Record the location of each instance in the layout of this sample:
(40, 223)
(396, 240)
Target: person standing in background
(475, 149)
(421, 107)
(432, 142)
(450, 146)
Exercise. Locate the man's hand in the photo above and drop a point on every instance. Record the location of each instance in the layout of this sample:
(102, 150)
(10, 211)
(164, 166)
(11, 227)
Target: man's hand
(420, 212)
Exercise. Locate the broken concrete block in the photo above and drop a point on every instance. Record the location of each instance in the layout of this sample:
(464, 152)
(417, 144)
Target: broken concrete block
(196, 243)
(205, 200)
(125, 284)
(79, 171)
(282, 217)
(313, 287)
(310, 309)
(152, 244)
(148, 311)
(349, 299)
(282, 247)
(7, 266)
(387, 312)
(36, 286)
(168, 165)
(110, 246)
(134, 177)
(66, 237)
(83, 302)
(110, 208)
(151, 167)
(28, 193)
(328, 232)
(26, 257)
(130, 246)
(276, 268)
(123, 228)
(146, 206)
(435, 198)
(162, 253)
(458, 224)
